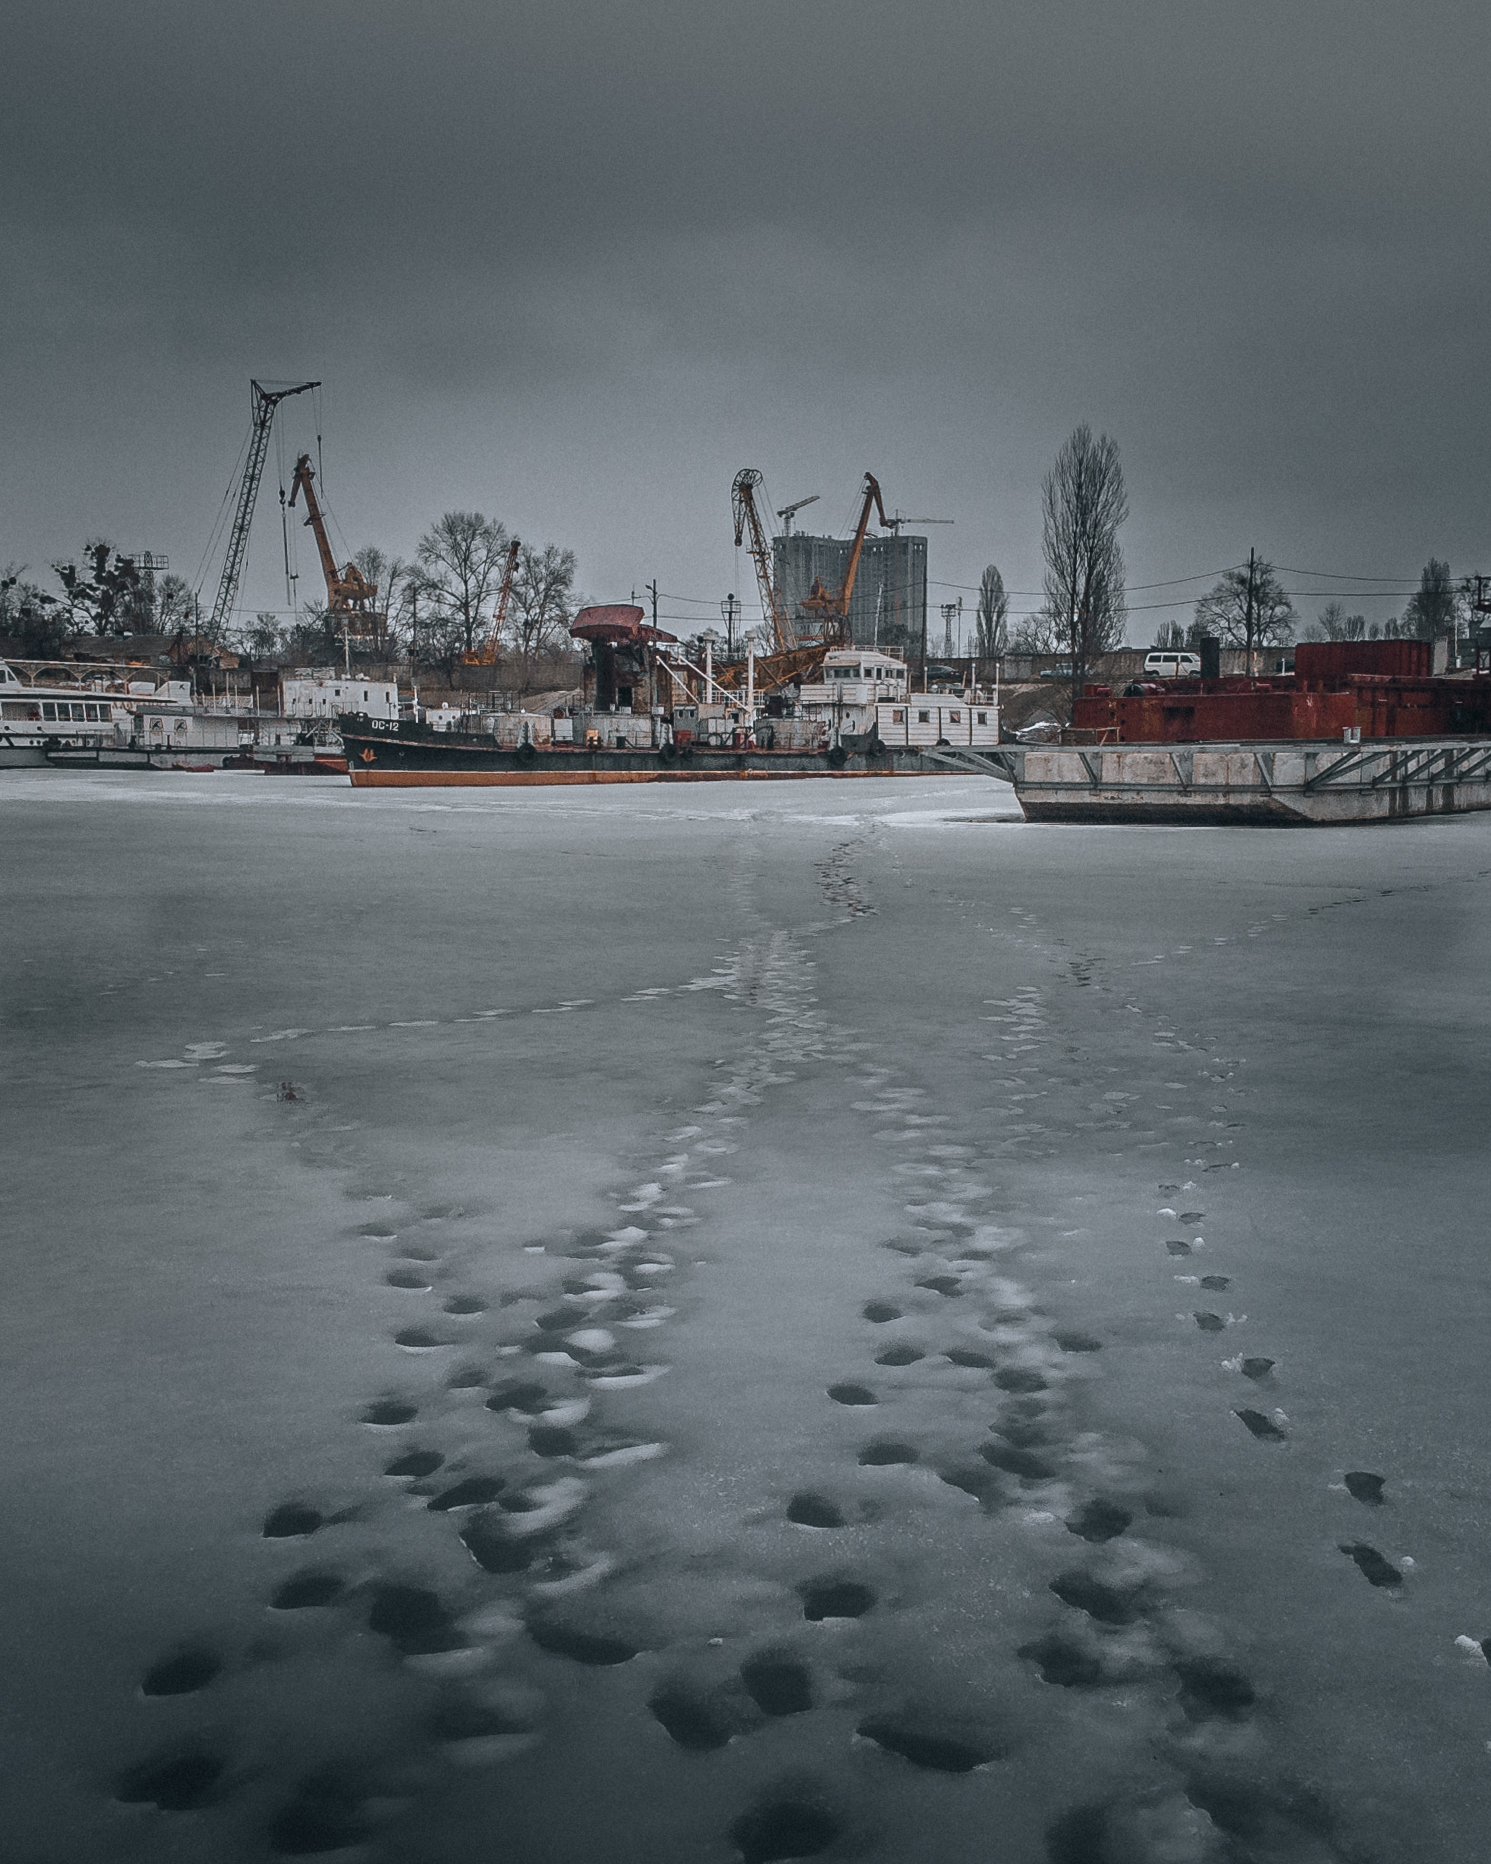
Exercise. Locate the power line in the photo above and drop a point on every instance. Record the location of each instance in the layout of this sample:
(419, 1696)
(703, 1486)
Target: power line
(1172, 582)
(1339, 576)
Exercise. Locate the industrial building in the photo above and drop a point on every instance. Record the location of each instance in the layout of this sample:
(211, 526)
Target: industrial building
(888, 604)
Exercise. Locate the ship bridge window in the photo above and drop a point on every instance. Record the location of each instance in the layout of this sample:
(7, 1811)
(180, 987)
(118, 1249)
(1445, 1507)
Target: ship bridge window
(924, 718)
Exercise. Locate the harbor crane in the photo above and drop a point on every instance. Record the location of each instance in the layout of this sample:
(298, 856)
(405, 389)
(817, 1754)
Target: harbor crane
(486, 654)
(348, 591)
(829, 608)
(265, 401)
(747, 518)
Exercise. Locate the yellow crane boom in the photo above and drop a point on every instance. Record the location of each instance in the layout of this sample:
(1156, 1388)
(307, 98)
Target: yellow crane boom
(486, 654)
(347, 590)
(830, 608)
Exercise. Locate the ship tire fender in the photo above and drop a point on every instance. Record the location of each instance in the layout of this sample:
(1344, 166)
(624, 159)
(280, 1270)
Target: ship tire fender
(525, 755)
(838, 756)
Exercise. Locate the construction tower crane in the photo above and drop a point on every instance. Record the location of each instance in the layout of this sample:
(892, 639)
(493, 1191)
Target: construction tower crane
(486, 654)
(747, 518)
(789, 512)
(829, 608)
(348, 591)
(266, 400)
(895, 521)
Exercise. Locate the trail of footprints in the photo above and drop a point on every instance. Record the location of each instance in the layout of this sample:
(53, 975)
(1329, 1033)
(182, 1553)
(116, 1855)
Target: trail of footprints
(547, 1359)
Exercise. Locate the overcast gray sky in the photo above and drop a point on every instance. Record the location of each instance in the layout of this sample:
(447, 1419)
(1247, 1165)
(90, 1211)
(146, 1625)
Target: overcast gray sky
(574, 264)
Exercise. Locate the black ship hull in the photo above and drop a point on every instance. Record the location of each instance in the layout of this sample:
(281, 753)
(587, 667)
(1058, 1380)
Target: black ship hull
(402, 755)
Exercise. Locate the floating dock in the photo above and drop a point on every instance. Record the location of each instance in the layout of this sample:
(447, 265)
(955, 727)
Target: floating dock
(1289, 783)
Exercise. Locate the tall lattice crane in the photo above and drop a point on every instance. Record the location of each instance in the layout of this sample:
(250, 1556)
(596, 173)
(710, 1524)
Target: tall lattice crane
(747, 518)
(348, 591)
(266, 400)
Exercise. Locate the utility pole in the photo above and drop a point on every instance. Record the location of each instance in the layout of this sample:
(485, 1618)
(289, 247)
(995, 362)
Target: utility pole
(1248, 616)
(651, 589)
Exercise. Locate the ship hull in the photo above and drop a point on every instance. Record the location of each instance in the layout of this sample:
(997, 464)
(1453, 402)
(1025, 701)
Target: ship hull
(405, 759)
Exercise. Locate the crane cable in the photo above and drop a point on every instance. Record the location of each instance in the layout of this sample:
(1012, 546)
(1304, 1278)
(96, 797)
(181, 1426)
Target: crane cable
(220, 523)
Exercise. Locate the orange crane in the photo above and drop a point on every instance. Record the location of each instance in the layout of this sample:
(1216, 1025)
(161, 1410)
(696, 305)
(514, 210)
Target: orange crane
(348, 591)
(830, 608)
(747, 518)
(486, 654)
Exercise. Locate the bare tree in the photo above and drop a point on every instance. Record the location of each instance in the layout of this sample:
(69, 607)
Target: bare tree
(264, 639)
(388, 575)
(1083, 502)
(1248, 608)
(106, 592)
(542, 603)
(1431, 609)
(29, 615)
(460, 568)
(992, 634)
(1334, 624)
(1033, 634)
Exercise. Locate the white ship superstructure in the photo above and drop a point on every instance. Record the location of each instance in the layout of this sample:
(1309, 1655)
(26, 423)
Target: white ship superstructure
(42, 714)
(861, 690)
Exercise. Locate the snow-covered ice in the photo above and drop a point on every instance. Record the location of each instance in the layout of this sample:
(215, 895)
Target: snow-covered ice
(1060, 1437)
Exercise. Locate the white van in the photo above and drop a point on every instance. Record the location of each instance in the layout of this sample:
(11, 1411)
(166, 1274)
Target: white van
(1172, 666)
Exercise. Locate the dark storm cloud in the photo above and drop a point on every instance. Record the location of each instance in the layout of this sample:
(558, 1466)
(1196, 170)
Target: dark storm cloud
(535, 250)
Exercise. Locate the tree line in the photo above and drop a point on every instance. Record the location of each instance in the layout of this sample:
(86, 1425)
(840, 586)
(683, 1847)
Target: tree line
(434, 609)
(1083, 610)
(1250, 608)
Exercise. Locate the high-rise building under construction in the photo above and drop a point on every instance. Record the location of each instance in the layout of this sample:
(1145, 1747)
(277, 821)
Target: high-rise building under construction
(888, 606)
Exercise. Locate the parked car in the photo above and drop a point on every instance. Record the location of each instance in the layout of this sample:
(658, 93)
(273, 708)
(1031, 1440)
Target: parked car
(1061, 671)
(1172, 665)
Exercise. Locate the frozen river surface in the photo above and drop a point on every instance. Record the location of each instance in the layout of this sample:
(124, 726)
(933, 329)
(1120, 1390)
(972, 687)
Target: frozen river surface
(717, 1323)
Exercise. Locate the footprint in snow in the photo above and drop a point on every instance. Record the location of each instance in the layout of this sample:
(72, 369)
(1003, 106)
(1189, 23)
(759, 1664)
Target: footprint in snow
(1373, 1567)
(787, 1828)
(308, 1591)
(292, 1521)
(777, 1683)
(808, 1509)
(178, 1782)
(181, 1674)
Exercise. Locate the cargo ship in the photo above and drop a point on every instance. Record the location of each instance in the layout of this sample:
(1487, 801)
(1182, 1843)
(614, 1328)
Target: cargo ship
(649, 714)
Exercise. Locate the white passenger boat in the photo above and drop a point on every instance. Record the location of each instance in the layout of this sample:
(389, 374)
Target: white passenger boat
(54, 714)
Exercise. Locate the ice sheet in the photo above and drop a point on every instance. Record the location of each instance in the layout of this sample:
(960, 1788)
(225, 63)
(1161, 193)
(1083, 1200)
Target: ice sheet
(799, 1321)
